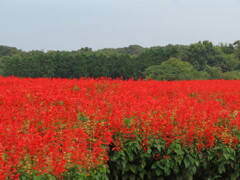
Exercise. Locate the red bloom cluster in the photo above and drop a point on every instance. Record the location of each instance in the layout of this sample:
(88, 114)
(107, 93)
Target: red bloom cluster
(50, 125)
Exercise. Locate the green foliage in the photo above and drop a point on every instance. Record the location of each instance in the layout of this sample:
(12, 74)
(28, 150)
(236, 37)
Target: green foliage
(229, 62)
(7, 51)
(172, 69)
(150, 57)
(201, 54)
(214, 72)
(201, 75)
(74, 173)
(174, 162)
(130, 50)
(1, 66)
(236, 46)
(231, 75)
(134, 61)
(173, 51)
(65, 64)
(227, 48)
(133, 162)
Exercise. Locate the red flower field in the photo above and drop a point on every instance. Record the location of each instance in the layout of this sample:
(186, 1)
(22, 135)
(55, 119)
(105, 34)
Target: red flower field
(51, 125)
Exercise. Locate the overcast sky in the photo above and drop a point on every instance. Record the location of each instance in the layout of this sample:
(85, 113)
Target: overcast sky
(72, 24)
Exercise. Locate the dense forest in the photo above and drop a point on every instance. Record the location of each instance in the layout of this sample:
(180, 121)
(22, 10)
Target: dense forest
(201, 60)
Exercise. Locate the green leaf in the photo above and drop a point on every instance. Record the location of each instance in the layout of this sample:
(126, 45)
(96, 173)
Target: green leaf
(155, 165)
(166, 170)
(124, 164)
(133, 168)
(149, 151)
(197, 163)
(226, 156)
(37, 178)
(130, 155)
(232, 158)
(158, 172)
(221, 169)
(179, 178)
(176, 169)
(205, 164)
(233, 177)
(178, 160)
(126, 168)
(186, 162)
(149, 175)
(51, 177)
(24, 178)
(143, 164)
(132, 177)
(194, 169)
(158, 147)
(141, 175)
(116, 156)
(127, 121)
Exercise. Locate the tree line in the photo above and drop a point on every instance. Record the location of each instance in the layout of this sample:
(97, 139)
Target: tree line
(201, 60)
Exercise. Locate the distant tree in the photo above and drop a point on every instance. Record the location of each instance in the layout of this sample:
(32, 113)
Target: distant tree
(231, 75)
(172, 50)
(120, 66)
(236, 45)
(1, 66)
(172, 69)
(4, 52)
(7, 51)
(12, 66)
(207, 62)
(85, 49)
(152, 56)
(227, 48)
(201, 54)
(132, 50)
(229, 62)
(200, 75)
(214, 72)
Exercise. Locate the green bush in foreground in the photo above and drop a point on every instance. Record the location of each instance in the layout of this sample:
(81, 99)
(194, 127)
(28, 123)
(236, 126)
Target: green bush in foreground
(174, 162)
